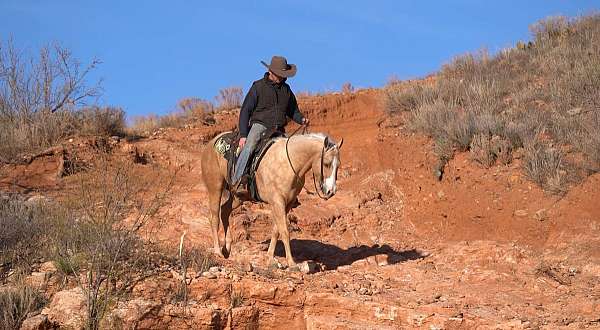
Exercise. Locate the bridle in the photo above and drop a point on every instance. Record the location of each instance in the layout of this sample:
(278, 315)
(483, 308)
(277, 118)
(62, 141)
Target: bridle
(319, 190)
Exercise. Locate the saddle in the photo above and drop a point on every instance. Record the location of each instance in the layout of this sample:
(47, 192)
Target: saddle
(228, 146)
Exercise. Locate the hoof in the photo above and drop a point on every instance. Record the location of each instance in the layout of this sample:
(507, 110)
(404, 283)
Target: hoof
(218, 252)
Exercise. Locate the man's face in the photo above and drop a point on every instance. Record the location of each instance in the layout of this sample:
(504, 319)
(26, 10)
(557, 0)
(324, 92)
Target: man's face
(275, 78)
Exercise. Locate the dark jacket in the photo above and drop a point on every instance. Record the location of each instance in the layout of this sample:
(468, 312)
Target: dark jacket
(269, 104)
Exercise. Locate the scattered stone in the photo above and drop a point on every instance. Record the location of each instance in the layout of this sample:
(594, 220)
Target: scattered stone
(541, 215)
(209, 275)
(364, 291)
(309, 267)
(38, 322)
(574, 111)
(441, 195)
(48, 267)
(38, 279)
(520, 213)
(247, 267)
(214, 269)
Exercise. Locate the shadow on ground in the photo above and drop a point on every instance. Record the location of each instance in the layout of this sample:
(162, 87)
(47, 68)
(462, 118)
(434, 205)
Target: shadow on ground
(333, 256)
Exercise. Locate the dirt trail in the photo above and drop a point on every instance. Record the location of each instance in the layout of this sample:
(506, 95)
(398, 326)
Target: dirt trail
(483, 248)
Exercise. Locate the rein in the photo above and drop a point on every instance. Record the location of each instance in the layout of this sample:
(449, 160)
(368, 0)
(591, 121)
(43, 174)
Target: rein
(297, 177)
(315, 181)
(287, 153)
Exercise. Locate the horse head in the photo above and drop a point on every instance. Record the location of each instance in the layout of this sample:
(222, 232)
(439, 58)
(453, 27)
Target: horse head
(326, 166)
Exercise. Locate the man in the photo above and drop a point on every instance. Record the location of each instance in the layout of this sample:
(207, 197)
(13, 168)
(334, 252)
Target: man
(267, 105)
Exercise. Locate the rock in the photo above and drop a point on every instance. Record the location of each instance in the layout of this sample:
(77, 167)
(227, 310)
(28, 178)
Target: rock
(309, 267)
(209, 275)
(541, 215)
(214, 269)
(67, 309)
(574, 111)
(441, 195)
(131, 313)
(247, 267)
(37, 279)
(520, 213)
(245, 317)
(364, 291)
(38, 322)
(48, 267)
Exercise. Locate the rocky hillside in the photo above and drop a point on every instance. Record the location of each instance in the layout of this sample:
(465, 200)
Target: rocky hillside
(395, 248)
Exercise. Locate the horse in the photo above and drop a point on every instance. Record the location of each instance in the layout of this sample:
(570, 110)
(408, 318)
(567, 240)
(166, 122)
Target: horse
(280, 176)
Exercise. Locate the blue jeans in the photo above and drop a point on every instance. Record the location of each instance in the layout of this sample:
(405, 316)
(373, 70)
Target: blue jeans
(251, 141)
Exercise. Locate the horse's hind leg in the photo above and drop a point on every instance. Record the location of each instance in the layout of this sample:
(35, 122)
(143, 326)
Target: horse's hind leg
(214, 205)
(226, 209)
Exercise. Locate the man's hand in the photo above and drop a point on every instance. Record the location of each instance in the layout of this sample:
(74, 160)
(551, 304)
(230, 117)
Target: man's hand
(305, 121)
(242, 142)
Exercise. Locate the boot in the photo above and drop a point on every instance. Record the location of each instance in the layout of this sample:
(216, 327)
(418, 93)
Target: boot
(240, 188)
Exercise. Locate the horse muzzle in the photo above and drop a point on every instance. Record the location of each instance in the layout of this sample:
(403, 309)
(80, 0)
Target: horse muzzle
(328, 192)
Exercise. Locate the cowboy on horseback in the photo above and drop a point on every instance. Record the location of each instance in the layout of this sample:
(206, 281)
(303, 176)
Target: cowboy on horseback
(266, 107)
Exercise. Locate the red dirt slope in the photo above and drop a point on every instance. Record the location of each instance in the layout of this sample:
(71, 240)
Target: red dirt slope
(483, 248)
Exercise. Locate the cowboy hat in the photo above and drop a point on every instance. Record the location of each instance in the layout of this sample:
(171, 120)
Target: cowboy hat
(280, 67)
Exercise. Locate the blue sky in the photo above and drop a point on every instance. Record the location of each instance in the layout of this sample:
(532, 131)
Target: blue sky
(157, 52)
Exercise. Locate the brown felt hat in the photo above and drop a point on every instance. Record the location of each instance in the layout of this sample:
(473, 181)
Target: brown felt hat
(280, 67)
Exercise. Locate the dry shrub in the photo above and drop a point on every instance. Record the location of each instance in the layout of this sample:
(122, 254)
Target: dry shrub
(106, 121)
(502, 149)
(432, 118)
(24, 225)
(230, 98)
(460, 130)
(548, 89)
(96, 230)
(486, 150)
(482, 151)
(110, 210)
(347, 88)
(189, 110)
(544, 165)
(406, 96)
(200, 259)
(38, 96)
(16, 302)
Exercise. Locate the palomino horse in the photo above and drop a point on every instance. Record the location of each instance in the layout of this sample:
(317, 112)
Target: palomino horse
(279, 179)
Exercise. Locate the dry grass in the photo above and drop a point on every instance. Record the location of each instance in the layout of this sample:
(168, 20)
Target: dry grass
(16, 303)
(22, 238)
(229, 98)
(189, 111)
(546, 89)
(545, 166)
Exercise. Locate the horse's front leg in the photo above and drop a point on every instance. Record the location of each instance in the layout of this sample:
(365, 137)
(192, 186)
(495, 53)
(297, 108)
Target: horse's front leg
(273, 243)
(280, 219)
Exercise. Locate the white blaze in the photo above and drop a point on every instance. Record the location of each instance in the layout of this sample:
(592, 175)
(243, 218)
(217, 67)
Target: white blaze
(330, 181)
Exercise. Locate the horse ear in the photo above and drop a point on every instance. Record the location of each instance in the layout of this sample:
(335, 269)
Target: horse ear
(326, 142)
(340, 144)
